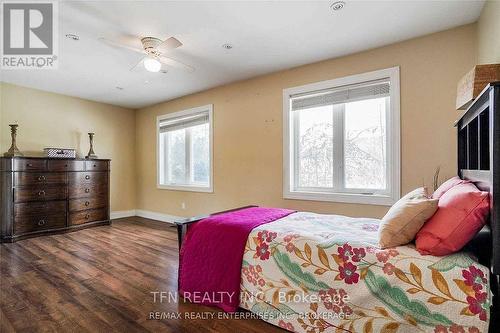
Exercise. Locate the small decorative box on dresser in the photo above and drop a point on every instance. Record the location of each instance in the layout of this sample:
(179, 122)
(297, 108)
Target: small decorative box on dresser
(43, 195)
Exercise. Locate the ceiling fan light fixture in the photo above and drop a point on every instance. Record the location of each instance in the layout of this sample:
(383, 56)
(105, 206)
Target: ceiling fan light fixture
(152, 65)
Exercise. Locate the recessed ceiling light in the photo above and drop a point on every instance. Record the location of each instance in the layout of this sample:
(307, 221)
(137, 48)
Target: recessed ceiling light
(227, 46)
(73, 36)
(119, 88)
(337, 5)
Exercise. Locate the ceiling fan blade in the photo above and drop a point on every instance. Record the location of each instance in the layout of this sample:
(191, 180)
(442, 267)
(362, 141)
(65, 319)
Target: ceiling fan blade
(120, 45)
(169, 44)
(137, 67)
(175, 63)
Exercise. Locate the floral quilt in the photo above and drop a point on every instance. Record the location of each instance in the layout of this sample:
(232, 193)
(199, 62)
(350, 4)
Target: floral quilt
(323, 273)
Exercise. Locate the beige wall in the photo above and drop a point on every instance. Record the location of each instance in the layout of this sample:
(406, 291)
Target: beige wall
(248, 126)
(489, 33)
(53, 120)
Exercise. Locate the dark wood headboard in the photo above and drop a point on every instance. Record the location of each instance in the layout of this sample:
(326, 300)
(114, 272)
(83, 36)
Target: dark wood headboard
(479, 161)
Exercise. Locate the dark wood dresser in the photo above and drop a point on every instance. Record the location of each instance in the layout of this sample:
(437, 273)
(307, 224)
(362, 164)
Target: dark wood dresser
(43, 195)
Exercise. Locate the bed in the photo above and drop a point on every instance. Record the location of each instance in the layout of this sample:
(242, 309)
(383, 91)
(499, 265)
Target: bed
(311, 261)
(309, 272)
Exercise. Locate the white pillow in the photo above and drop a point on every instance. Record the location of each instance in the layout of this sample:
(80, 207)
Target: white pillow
(405, 218)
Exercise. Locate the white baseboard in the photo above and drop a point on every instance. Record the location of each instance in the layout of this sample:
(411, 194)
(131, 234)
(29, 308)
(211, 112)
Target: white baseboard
(122, 213)
(146, 214)
(157, 216)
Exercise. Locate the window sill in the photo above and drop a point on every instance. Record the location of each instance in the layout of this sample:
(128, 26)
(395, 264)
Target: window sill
(188, 188)
(367, 199)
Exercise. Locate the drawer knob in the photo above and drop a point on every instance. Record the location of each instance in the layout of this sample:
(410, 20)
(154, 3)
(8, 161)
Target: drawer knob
(87, 216)
(87, 177)
(41, 222)
(42, 192)
(87, 190)
(65, 165)
(95, 166)
(41, 178)
(87, 203)
(29, 165)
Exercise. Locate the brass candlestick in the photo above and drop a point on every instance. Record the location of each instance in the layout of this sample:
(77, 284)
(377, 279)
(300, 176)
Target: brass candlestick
(13, 150)
(91, 153)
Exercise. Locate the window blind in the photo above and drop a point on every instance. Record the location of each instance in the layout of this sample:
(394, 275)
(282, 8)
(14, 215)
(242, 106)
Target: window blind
(178, 123)
(352, 93)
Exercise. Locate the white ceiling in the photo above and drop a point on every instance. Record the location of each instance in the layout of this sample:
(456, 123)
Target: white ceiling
(267, 37)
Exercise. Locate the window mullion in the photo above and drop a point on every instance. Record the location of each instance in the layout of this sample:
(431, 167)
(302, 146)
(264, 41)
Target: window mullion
(296, 148)
(341, 136)
(187, 161)
(388, 145)
(165, 170)
(338, 147)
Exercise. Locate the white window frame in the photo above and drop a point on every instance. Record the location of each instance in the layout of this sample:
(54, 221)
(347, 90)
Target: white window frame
(186, 187)
(393, 143)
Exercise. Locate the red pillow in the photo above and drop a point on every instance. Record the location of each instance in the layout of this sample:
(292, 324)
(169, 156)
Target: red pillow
(462, 212)
(447, 185)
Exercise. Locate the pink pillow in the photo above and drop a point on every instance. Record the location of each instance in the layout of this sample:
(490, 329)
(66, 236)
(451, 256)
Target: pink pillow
(462, 212)
(447, 185)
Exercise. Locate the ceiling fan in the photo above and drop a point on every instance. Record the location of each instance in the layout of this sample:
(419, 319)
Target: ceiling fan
(154, 50)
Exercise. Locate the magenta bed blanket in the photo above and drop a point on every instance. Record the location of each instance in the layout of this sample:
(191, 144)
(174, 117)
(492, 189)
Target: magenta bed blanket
(212, 254)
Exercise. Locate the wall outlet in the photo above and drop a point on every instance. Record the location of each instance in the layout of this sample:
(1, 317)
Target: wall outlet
(183, 205)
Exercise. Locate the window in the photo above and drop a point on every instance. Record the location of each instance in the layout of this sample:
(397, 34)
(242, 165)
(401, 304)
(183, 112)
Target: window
(185, 150)
(341, 139)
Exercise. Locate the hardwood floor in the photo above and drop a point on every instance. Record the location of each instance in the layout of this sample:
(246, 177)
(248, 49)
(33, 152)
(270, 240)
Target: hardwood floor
(100, 280)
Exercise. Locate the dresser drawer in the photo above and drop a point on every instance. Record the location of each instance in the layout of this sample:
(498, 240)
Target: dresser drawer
(77, 191)
(96, 165)
(86, 216)
(40, 193)
(39, 178)
(28, 224)
(66, 165)
(88, 177)
(39, 209)
(29, 164)
(76, 205)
